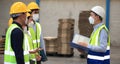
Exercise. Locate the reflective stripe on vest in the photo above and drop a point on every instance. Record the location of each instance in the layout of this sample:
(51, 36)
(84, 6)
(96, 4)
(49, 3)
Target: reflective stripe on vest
(94, 40)
(98, 57)
(14, 63)
(9, 55)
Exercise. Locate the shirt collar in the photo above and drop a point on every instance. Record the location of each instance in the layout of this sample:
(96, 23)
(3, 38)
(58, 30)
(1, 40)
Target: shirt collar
(97, 25)
(17, 24)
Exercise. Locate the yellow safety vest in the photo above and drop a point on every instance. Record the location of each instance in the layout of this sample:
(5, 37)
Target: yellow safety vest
(99, 57)
(35, 35)
(30, 45)
(9, 55)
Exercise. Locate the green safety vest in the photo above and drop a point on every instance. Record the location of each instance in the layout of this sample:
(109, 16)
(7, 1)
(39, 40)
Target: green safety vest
(9, 55)
(35, 35)
(30, 45)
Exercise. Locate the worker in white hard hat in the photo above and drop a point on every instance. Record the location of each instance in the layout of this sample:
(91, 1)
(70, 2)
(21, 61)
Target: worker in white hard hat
(99, 45)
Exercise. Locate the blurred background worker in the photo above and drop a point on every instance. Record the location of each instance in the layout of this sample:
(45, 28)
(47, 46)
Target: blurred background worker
(10, 22)
(16, 51)
(99, 45)
(35, 28)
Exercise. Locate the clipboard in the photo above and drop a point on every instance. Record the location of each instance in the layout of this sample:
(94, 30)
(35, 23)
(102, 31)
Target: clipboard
(79, 38)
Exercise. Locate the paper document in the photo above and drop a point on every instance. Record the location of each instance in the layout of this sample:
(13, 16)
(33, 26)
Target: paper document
(80, 38)
(76, 41)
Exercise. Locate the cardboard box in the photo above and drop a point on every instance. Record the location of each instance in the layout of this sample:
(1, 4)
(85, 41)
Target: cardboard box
(85, 28)
(51, 44)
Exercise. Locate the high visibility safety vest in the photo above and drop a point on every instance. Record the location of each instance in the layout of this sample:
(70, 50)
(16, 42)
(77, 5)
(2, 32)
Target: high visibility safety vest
(30, 45)
(9, 55)
(98, 57)
(35, 35)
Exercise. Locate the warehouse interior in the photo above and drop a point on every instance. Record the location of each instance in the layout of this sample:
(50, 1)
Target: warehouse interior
(60, 20)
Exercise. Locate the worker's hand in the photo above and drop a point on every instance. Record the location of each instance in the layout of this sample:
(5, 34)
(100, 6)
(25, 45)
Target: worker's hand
(32, 51)
(83, 44)
(38, 57)
(81, 51)
(38, 49)
(35, 50)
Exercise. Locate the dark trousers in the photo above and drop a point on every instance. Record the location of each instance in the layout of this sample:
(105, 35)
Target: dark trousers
(38, 62)
(33, 62)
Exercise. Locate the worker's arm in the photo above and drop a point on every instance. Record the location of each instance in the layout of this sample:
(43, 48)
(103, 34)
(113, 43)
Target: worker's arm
(42, 43)
(17, 45)
(103, 42)
(35, 50)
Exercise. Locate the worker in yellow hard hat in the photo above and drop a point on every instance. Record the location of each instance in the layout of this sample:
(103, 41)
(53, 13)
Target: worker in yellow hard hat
(34, 10)
(35, 33)
(11, 20)
(16, 51)
(31, 48)
(35, 29)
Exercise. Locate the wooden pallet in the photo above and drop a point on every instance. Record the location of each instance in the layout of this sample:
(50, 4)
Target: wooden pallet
(51, 53)
(65, 55)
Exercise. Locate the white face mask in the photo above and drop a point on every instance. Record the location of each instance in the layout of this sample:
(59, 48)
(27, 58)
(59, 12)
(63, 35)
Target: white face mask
(91, 20)
(31, 24)
(36, 17)
(25, 29)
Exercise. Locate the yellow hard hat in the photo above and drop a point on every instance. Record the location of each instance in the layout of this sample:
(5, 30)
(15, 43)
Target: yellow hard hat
(28, 10)
(18, 7)
(33, 5)
(10, 21)
(28, 14)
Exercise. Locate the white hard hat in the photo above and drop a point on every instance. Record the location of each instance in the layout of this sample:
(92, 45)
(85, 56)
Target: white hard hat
(99, 11)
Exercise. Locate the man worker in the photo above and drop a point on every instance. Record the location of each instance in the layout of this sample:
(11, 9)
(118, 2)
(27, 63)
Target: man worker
(35, 27)
(99, 45)
(35, 14)
(15, 46)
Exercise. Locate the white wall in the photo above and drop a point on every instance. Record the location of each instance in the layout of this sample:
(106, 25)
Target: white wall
(115, 22)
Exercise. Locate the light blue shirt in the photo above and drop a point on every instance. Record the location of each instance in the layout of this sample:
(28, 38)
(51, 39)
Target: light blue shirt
(103, 40)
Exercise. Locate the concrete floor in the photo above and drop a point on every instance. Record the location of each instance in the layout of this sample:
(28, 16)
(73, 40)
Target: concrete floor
(115, 58)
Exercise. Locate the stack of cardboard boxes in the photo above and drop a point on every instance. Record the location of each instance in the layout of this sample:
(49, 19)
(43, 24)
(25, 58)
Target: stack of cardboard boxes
(61, 44)
(51, 45)
(65, 36)
(85, 28)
